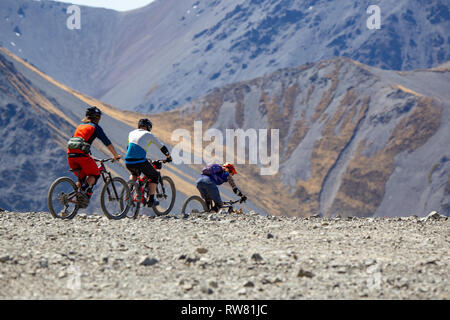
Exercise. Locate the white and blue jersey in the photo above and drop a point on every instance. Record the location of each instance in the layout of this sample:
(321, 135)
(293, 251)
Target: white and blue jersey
(139, 141)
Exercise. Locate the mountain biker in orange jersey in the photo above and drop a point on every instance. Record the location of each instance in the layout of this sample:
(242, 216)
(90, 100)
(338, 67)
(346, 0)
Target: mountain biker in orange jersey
(79, 159)
(212, 176)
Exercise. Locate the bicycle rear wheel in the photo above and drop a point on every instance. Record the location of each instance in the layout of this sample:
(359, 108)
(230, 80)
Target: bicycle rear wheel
(135, 197)
(194, 204)
(115, 198)
(165, 195)
(62, 198)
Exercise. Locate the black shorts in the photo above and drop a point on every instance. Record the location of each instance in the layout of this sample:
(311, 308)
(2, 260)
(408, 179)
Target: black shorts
(145, 167)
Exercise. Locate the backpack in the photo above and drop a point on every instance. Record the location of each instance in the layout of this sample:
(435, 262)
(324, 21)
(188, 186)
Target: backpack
(212, 169)
(79, 143)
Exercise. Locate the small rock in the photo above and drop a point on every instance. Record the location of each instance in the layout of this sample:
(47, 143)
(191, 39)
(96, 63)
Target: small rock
(242, 292)
(369, 262)
(434, 215)
(256, 257)
(277, 280)
(43, 263)
(423, 289)
(62, 274)
(269, 236)
(202, 250)
(186, 286)
(4, 258)
(207, 290)
(146, 261)
(342, 269)
(213, 284)
(249, 284)
(191, 260)
(304, 273)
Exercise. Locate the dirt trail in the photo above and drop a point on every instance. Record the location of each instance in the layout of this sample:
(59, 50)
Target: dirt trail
(222, 256)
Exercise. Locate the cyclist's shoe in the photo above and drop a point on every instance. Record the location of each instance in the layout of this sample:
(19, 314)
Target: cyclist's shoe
(215, 209)
(152, 203)
(83, 200)
(209, 204)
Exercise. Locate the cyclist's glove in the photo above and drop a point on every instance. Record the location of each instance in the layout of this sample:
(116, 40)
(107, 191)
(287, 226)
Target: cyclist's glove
(165, 151)
(243, 199)
(169, 159)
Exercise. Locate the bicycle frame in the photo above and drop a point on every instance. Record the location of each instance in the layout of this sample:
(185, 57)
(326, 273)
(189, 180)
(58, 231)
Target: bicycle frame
(105, 174)
(226, 204)
(143, 182)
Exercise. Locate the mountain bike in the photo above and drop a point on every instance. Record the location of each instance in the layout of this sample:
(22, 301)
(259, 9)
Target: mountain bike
(140, 192)
(65, 199)
(196, 204)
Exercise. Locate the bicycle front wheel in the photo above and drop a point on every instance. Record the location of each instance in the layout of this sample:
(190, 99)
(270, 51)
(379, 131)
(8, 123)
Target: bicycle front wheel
(115, 198)
(62, 198)
(194, 204)
(165, 195)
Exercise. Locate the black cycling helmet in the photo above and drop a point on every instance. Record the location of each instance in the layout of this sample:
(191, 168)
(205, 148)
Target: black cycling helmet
(93, 112)
(145, 123)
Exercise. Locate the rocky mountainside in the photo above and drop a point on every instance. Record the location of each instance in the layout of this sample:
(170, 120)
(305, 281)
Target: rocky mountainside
(223, 257)
(354, 140)
(37, 117)
(172, 52)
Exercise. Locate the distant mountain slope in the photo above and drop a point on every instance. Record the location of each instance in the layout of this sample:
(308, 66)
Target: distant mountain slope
(37, 117)
(172, 52)
(354, 140)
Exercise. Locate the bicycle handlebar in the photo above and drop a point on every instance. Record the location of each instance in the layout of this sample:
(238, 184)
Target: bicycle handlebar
(161, 160)
(104, 160)
(231, 202)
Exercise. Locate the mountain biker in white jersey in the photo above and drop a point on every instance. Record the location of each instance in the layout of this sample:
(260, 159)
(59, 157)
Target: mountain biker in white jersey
(139, 141)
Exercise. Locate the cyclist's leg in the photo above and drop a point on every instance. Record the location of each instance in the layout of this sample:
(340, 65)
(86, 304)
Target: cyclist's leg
(134, 170)
(91, 170)
(212, 194)
(203, 190)
(215, 196)
(77, 171)
(151, 173)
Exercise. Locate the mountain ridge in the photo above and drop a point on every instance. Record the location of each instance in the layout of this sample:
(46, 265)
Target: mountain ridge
(169, 53)
(343, 129)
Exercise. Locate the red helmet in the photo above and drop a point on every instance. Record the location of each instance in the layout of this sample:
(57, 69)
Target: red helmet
(231, 169)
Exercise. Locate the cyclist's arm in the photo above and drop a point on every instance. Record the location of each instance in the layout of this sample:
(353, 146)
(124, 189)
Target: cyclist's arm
(234, 187)
(161, 146)
(99, 133)
(113, 152)
(103, 138)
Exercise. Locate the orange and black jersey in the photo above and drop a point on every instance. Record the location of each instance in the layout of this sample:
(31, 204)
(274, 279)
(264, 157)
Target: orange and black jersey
(89, 132)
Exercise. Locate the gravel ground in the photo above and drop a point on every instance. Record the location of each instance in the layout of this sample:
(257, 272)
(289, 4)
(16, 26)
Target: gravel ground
(223, 256)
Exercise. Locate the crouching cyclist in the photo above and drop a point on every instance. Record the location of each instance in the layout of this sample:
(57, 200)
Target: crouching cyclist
(139, 141)
(212, 176)
(78, 151)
